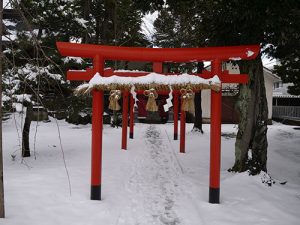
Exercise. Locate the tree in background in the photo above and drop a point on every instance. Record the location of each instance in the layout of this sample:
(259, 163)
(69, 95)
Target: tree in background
(174, 29)
(274, 25)
(35, 72)
(113, 22)
(250, 22)
(33, 67)
(25, 86)
(287, 49)
(288, 70)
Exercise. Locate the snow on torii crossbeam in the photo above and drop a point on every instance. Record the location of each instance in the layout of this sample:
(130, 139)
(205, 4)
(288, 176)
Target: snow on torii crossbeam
(157, 55)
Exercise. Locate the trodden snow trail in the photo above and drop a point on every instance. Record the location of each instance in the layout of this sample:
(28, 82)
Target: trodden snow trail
(153, 187)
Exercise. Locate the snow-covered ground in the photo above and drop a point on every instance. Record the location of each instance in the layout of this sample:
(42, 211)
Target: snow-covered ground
(150, 183)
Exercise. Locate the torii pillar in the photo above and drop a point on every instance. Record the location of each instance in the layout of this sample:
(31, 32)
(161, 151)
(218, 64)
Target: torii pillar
(215, 138)
(214, 54)
(97, 128)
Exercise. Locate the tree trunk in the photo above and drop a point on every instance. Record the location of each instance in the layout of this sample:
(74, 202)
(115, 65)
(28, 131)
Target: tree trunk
(26, 129)
(108, 30)
(105, 21)
(2, 211)
(98, 27)
(86, 16)
(251, 141)
(197, 101)
(198, 112)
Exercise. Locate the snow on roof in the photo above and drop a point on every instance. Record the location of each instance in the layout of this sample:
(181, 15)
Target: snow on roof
(270, 73)
(152, 80)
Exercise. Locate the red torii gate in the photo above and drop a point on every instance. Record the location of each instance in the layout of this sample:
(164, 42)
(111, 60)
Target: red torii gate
(156, 55)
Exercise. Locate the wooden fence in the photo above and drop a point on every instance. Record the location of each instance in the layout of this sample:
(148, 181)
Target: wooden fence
(287, 112)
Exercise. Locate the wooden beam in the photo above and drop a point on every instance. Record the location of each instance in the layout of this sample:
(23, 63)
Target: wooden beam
(246, 52)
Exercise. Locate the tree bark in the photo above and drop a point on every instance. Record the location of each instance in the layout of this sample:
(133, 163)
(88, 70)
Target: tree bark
(251, 141)
(108, 23)
(198, 112)
(97, 36)
(86, 16)
(197, 102)
(26, 130)
(2, 211)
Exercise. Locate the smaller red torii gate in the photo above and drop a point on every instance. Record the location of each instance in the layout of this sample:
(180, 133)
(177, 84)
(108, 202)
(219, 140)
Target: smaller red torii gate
(156, 55)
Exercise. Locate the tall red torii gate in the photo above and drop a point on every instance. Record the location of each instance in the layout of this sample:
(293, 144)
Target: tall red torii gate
(156, 55)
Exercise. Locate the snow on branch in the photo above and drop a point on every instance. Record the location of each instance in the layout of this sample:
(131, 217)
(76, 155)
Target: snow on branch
(157, 81)
(31, 73)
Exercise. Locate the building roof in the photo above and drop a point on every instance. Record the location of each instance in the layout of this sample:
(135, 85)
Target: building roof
(268, 72)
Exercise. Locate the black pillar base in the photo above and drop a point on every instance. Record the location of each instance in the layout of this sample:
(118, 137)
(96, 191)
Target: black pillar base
(96, 192)
(175, 136)
(131, 135)
(214, 195)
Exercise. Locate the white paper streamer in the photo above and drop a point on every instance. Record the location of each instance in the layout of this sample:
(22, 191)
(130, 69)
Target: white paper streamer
(169, 103)
(134, 96)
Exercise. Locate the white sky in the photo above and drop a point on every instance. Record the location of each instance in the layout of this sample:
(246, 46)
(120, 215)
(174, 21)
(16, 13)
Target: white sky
(6, 4)
(269, 63)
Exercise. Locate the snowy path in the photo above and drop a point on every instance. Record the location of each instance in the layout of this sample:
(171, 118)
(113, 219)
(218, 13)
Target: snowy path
(149, 184)
(153, 185)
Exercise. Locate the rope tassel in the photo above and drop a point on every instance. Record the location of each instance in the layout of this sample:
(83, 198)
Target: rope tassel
(114, 97)
(187, 96)
(151, 103)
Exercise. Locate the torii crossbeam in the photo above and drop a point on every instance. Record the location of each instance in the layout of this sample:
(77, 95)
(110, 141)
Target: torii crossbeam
(157, 55)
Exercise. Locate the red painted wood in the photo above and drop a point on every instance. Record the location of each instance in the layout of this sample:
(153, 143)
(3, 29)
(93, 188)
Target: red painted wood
(235, 78)
(157, 54)
(182, 131)
(89, 73)
(97, 66)
(97, 127)
(129, 74)
(215, 129)
(157, 67)
(125, 120)
(175, 111)
(97, 112)
(85, 75)
(131, 116)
